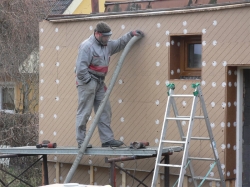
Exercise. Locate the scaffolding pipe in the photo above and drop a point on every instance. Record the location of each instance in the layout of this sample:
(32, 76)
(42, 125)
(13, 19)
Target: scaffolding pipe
(100, 109)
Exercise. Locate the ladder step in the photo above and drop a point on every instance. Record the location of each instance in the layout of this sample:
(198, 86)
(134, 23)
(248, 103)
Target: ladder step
(197, 138)
(199, 158)
(170, 165)
(195, 117)
(207, 178)
(171, 141)
(176, 95)
(184, 119)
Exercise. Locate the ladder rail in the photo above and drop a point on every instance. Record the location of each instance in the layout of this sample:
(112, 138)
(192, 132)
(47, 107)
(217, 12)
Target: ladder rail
(210, 133)
(190, 166)
(163, 134)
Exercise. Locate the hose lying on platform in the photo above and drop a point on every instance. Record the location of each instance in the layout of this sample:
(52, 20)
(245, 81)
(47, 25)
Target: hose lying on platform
(100, 109)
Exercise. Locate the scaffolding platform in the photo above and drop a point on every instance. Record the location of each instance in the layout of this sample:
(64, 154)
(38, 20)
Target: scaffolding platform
(107, 151)
(122, 153)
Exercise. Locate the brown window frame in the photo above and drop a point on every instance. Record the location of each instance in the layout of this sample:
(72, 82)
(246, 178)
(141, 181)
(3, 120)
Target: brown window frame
(185, 41)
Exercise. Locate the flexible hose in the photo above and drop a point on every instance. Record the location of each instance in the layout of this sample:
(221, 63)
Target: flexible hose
(100, 109)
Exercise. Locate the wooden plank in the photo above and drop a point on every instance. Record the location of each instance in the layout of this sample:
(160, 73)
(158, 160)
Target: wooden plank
(92, 176)
(124, 179)
(57, 172)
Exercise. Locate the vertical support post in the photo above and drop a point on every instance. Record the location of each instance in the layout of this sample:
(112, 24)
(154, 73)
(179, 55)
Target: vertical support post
(112, 174)
(158, 184)
(57, 172)
(185, 182)
(124, 180)
(45, 170)
(213, 184)
(92, 177)
(166, 171)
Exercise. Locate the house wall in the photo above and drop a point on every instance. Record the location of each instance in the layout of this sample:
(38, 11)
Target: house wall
(139, 96)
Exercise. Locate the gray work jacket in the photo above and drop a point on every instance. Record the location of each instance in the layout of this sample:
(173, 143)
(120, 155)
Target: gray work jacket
(93, 58)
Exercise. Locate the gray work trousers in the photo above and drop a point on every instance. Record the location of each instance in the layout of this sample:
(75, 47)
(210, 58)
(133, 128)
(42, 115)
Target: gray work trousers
(90, 95)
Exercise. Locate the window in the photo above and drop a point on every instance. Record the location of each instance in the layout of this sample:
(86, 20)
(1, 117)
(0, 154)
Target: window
(7, 96)
(185, 57)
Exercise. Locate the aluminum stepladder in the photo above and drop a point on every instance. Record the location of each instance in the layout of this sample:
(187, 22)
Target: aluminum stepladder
(185, 140)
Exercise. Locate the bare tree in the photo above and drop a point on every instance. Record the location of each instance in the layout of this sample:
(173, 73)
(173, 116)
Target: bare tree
(19, 62)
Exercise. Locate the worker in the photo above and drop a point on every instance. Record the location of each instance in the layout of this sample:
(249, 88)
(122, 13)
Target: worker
(91, 68)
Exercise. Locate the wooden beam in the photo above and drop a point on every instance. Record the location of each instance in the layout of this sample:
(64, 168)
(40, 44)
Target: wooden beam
(58, 172)
(185, 182)
(92, 175)
(158, 181)
(124, 179)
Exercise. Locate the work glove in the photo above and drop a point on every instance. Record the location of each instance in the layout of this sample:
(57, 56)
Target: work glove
(137, 33)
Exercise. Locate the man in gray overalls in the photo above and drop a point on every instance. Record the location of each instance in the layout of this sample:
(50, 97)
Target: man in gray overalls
(91, 69)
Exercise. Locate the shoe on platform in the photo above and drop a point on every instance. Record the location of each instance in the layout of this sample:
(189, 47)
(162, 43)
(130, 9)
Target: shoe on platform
(88, 146)
(112, 143)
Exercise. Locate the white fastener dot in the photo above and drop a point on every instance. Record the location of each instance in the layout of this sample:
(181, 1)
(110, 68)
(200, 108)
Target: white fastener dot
(204, 31)
(184, 103)
(122, 119)
(223, 146)
(41, 115)
(184, 23)
(167, 44)
(42, 81)
(41, 30)
(204, 43)
(57, 48)
(121, 138)
(211, 174)
(228, 124)
(223, 104)
(157, 64)
(214, 84)
(42, 64)
(90, 161)
(90, 118)
(229, 104)
(166, 82)
(172, 42)
(178, 70)
(213, 104)
(57, 64)
(41, 132)
(157, 102)
(120, 81)
(229, 72)
(57, 81)
(228, 173)
(185, 31)
(41, 47)
(157, 44)
(56, 30)
(203, 83)
(156, 140)
(229, 84)
(223, 84)
(172, 72)
(222, 124)
(235, 103)
(203, 63)
(214, 42)
(157, 82)
(212, 125)
(214, 22)
(41, 98)
(184, 87)
(234, 147)
(167, 32)
(122, 165)
(178, 44)
(123, 26)
(54, 133)
(222, 166)
(57, 98)
(183, 123)
(214, 63)
(157, 122)
(120, 101)
(55, 116)
(91, 28)
(158, 25)
(224, 63)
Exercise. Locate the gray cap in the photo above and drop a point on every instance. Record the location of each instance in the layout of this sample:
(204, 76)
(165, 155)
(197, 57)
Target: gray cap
(103, 28)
